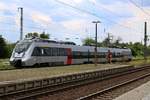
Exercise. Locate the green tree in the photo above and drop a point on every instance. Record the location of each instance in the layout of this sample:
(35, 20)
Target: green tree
(44, 36)
(105, 43)
(35, 34)
(10, 48)
(88, 42)
(3, 48)
(136, 48)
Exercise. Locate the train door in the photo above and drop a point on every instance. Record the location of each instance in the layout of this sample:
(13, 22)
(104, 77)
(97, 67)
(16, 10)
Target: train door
(36, 56)
(69, 56)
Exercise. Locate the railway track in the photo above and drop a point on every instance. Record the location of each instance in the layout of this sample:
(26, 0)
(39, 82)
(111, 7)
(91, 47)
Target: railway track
(105, 93)
(104, 86)
(79, 81)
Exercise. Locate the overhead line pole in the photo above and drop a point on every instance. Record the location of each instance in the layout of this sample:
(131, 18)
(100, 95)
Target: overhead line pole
(21, 22)
(108, 40)
(145, 40)
(96, 22)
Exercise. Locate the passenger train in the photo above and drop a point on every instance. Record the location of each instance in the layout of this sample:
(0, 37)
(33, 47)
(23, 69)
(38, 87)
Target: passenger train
(36, 51)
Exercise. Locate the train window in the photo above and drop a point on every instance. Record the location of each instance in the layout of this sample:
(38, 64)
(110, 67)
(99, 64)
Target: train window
(52, 51)
(113, 55)
(63, 52)
(76, 54)
(91, 55)
(56, 51)
(36, 51)
(101, 55)
(117, 54)
(85, 54)
(60, 51)
(82, 54)
(47, 52)
(42, 51)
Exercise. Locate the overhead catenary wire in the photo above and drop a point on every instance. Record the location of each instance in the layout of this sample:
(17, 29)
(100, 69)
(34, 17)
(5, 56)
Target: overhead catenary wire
(85, 11)
(95, 15)
(107, 10)
(131, 1)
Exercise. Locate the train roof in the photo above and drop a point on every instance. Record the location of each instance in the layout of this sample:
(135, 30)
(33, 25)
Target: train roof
(48, 41)
(68, 44)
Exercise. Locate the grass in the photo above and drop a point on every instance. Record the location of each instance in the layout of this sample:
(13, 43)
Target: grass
(139, 62)
(8, 75)
(4, 64)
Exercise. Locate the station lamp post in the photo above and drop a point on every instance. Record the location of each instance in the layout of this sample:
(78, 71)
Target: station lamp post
(95, 54)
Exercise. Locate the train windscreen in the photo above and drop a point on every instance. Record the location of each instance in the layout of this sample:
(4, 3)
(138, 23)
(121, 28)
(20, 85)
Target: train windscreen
(22, 46)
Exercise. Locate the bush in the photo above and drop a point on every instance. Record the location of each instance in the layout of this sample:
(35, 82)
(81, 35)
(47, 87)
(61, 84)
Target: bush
(5, 49)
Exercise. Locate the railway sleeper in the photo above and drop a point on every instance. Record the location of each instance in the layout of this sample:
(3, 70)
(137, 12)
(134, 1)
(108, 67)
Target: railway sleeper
(25, 86)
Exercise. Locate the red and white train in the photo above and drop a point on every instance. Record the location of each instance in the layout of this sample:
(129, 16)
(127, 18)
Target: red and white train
(33, 52)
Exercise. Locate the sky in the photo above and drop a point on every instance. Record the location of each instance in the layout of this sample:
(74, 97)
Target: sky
(72, 19)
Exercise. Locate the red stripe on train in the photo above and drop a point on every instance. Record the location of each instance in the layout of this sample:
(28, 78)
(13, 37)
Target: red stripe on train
(69, 56)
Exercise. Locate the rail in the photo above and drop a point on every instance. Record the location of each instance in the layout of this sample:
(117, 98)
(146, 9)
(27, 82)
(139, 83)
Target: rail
(93, 95)
(8, 88)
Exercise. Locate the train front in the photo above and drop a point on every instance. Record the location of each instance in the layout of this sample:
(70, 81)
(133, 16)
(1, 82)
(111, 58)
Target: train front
(19, 54)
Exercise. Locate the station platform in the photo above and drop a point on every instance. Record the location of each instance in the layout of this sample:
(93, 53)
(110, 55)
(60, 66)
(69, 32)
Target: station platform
(44, 72)
(140, 93)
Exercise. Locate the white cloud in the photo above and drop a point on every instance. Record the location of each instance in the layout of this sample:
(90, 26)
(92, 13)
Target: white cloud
(93, 1)
(78, 1)
(17, 21)
(128, 28)
(68, 21)
(41, 19)
(72, 1)
(3, 6)
(77, 25)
